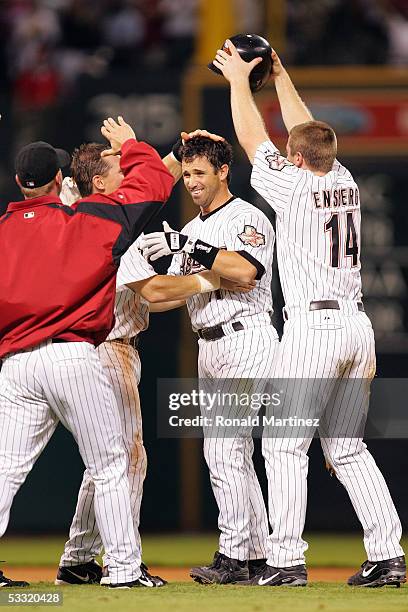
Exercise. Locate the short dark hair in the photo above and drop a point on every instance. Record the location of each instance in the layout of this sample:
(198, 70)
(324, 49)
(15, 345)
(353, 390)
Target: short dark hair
(87, 163)
(218, 153)
(316, 141)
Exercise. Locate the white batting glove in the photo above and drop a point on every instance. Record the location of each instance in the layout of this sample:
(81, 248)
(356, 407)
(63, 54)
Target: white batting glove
(160, 244)
(69, 191)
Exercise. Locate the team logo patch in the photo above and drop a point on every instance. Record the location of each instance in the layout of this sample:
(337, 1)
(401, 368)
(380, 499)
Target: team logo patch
(251, 236)
(277, 161)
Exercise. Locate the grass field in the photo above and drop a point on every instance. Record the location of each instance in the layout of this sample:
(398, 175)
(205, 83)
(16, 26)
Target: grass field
(177, 551)
(183, 597)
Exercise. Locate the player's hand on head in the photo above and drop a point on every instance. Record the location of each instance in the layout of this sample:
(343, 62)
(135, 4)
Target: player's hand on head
(188, 135)
(231, 64)
(237, 287)
(117, 132)
(160, 244)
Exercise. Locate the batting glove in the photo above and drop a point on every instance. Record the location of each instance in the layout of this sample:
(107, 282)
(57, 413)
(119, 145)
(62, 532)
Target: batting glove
(69, 191)
(170, 242)
(160, 244)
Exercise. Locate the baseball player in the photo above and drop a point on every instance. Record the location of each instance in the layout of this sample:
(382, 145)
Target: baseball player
(327, 335)
(56, 305)
(137, 286)
(236, 341)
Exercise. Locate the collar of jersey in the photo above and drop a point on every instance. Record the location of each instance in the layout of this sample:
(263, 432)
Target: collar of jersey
(205, 217)
(33, 202)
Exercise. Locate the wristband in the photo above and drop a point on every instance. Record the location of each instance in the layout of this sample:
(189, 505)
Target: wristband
(176, 150)
(201, 252)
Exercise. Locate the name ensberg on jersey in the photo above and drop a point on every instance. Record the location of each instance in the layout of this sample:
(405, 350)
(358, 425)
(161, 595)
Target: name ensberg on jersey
(336, 198)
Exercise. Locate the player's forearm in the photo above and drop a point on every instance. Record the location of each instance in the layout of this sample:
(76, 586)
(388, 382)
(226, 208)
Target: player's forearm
(294, 110)
(238, 266)
(173, 166)
(234, 267)
(165, 306)
(146, 178)
(163, 288)
(248, 123)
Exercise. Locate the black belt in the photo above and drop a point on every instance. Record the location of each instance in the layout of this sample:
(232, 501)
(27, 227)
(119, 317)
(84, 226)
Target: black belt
(216, 332)
(331, 305)
(325, 305)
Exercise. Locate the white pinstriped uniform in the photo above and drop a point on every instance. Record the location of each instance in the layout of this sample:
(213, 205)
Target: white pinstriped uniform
(248, 354)
(56, 378)
(122, 366)
(318, 247)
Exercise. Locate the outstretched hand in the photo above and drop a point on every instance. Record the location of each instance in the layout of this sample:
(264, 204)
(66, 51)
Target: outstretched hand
(232, 66)
(117, 133)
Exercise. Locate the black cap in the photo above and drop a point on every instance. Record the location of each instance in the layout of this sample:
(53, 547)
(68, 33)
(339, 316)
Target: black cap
(38, 163)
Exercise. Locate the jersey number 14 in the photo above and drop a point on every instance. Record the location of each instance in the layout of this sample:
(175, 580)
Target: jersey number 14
(340, 236)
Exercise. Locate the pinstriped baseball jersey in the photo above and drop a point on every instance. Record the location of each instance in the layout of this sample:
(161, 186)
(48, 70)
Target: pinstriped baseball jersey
(131, 310)
(122, 366)
(317, 227)
(235, 226)
(318, 245)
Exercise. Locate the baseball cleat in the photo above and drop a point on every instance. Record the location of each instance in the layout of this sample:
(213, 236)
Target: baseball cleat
(9, 583)
(144, 580)
(380, 573)
(85, 573)
(222, 570)
(159, 582)
(279, 576)
(254, 565)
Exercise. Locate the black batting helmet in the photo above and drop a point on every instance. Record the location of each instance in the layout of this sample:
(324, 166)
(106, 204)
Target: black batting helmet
(250, 46)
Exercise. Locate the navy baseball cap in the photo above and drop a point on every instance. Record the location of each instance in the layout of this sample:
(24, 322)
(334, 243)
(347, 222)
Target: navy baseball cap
(38, 162)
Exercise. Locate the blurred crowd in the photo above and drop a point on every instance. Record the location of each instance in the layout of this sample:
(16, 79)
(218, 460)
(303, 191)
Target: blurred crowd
(45, 45)
(347, 32)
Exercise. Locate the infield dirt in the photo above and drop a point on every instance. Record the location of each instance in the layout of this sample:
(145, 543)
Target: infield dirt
(173, 574)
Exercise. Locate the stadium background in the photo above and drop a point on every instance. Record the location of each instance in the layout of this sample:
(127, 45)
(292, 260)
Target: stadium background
(66, 64)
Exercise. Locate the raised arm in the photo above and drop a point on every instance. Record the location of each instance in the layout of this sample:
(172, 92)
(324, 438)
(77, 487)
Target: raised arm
(293, 109)
(145, 175)
(144, 189)
(248, 123)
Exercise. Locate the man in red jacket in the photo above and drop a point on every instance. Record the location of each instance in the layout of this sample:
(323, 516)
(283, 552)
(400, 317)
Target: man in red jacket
(57, 292)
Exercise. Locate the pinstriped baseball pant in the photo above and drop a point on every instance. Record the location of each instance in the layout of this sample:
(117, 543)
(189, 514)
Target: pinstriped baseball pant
(65, 382)
(122, 366)
(242, 520)
(327, 345)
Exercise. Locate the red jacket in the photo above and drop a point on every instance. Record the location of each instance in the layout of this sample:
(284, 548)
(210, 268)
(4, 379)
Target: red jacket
(58, 264)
